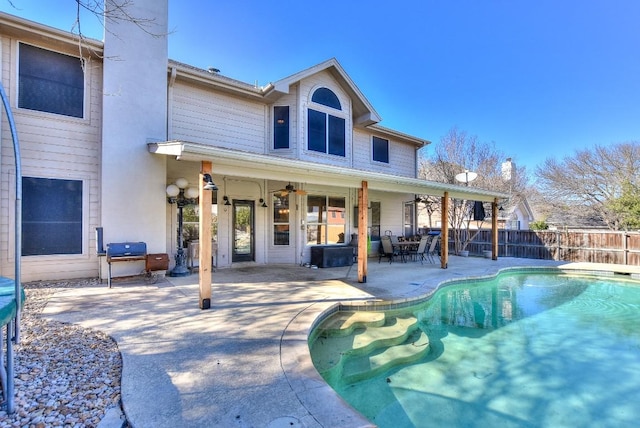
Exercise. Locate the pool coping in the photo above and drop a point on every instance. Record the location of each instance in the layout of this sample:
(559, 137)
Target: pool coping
(323, 403)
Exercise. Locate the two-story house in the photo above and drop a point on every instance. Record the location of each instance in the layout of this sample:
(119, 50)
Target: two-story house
(106, 126)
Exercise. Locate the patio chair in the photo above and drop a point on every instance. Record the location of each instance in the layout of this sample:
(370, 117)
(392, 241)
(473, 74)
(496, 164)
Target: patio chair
(432, 248)
(387, 250)
(420, 251)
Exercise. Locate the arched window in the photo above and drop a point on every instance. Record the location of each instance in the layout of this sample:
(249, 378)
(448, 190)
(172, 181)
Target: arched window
(327, 98)
(326, 132)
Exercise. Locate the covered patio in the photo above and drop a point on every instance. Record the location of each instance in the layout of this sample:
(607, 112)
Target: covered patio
(233, 163)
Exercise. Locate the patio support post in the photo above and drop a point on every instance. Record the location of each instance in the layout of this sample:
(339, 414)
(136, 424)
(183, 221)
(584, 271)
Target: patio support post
(204, 205)
(363, 227)
(494, 229)
(444, 238)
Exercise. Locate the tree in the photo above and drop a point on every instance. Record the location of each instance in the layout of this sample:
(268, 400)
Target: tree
(109, 10)
(456, 153)
(588, 184)
(627, 206)
(538, 225)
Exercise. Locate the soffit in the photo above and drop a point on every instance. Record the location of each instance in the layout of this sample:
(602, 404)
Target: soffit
(261, 166)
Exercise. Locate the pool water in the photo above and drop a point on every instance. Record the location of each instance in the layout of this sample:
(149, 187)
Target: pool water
(520, 350)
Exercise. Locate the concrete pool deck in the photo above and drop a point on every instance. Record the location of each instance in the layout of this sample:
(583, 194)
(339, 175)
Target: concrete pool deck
(245, 362)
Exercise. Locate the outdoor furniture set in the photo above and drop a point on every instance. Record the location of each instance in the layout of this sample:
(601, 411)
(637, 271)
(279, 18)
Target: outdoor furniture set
(393, 247)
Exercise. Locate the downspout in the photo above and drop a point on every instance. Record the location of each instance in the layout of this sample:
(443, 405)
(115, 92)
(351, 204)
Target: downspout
(172, 81)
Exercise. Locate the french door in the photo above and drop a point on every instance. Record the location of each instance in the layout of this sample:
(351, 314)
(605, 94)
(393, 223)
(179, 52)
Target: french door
(243, 231)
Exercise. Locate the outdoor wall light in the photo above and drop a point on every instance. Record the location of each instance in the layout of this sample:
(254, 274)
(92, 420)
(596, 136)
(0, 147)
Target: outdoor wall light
(208, 182)
(225, 198)
(182, 195)
(263, 204)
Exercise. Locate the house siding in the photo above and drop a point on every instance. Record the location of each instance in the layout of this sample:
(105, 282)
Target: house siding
(217, 119)
(57, 147)
(401, 156)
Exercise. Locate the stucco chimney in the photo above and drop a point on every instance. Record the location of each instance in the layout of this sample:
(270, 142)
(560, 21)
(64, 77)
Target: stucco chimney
(134, 107)
(508, 170)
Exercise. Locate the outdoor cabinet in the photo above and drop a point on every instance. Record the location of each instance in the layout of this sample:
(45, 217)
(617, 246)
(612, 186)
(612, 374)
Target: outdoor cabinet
(325, 256)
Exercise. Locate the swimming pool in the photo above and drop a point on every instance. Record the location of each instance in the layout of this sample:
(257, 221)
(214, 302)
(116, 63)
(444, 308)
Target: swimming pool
(519, 350)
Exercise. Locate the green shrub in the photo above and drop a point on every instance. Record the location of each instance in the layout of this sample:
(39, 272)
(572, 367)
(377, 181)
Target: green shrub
(538, 225)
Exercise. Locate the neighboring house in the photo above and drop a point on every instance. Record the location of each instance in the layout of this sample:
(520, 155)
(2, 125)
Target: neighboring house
(515, 216)
(101, 142)
(512, 215)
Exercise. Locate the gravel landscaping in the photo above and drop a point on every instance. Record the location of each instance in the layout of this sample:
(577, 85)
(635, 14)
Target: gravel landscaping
(66, 376)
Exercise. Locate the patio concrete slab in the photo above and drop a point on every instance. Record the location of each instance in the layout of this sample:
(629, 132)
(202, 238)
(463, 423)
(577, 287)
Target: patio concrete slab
(245, 361)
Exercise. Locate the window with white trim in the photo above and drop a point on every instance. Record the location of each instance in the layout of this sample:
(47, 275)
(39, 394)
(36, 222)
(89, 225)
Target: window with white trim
(281, 215)
(51, 216)
(326, 222)
(380, 149)
(281, 127)
(50, 82)
(326, 124)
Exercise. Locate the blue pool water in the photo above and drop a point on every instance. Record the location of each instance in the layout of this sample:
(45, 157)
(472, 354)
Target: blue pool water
(520, 350)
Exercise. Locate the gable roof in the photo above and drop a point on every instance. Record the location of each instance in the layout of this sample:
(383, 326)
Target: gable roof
(363, 112)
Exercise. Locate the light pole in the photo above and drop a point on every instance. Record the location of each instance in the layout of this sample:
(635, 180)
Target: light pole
(181, 195)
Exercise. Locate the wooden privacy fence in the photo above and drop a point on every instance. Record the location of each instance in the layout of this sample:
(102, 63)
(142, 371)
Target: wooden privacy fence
(597, 246)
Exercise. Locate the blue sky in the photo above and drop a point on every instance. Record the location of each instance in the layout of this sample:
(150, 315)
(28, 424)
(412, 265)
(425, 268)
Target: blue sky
(539, 79)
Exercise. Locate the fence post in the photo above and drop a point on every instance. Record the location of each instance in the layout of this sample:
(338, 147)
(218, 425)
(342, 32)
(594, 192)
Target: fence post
(506, 242)
(625, 247)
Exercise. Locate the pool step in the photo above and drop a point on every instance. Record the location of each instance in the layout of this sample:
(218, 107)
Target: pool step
(361, 367)
(395, 331)
(331, 351)
(343, 323)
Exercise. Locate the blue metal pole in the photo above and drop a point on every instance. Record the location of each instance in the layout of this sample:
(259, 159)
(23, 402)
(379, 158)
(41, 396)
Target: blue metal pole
(14, 327)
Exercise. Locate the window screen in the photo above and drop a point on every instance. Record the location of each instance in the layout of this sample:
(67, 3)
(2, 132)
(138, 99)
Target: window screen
(336, 136)
(281, 127)
(50, 82)
(317, 134)
(51, 216)
(326, 97)
(380, 150)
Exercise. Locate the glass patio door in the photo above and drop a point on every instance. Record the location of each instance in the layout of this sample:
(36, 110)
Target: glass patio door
(243, 231)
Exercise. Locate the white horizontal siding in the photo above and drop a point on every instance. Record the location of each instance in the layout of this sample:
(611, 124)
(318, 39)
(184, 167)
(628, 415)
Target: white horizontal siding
(52, 146)
(217, 119)
(401, 156)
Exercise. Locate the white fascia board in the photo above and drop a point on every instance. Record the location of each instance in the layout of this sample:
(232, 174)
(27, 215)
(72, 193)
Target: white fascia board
(256, 165)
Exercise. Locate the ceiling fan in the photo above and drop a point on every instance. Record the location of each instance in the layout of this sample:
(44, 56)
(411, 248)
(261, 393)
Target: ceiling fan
(290, 189)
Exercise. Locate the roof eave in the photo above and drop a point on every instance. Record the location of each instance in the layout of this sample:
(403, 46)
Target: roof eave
(255, 165)
(36, 33)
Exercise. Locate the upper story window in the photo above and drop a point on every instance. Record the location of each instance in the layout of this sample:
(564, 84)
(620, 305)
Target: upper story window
(380, 150)
(50, 82)
(326, 97)
(326, 132)
(281, 127)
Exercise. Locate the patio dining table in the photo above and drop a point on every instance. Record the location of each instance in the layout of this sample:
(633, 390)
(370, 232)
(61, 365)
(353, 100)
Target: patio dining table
(404, 247)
